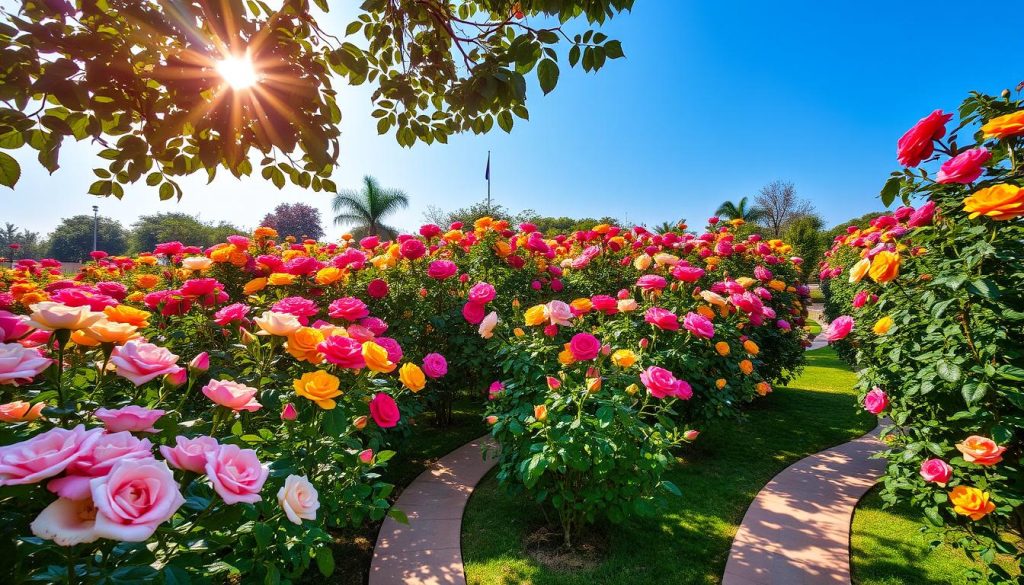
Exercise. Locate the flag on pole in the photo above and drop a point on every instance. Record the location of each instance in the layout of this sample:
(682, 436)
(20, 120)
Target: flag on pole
(487, 172)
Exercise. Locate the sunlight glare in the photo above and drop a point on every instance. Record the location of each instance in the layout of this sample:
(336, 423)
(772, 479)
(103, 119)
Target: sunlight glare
(238, 72)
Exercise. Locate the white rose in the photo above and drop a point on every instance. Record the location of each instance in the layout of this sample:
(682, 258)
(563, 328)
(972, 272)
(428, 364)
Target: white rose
(298, 499)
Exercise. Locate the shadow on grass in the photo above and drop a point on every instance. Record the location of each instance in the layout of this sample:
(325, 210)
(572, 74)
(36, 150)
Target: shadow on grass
(719, 476)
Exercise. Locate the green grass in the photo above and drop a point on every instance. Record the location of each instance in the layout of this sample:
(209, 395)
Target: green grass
(353, 548)
(814, 327)
(888, 548)
(817, 296)
(721, 474)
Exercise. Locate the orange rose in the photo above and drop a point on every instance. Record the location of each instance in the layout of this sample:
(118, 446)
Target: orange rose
(147, 281)
(1003, 126)
(20, 411)
(747, 367)
(128, 315)
(1000, 202)
(751, 347)
(540, 412)
(412, 377)
(720, 383)
(280, 279)
(981, 450)
(722, 348)
(376, 358)
(328, 275)
(970, 501)
(883, 325)
(320, 387)
(565, 356)
(763, 388)
(107, 331)
(885, 266)
(302, 344)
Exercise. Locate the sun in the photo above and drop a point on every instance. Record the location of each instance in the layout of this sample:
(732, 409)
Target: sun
(238, 71)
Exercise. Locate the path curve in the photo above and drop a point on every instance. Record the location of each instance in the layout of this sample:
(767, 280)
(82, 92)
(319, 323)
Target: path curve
(787, 537)
(428, 550)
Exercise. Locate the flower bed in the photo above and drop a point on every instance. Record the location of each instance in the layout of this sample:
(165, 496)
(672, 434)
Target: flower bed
(927, 301)
(193, 413)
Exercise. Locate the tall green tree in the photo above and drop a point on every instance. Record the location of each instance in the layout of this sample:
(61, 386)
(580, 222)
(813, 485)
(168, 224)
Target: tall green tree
(740, 210)
(71, 240)
(809, 242)
(365, 210)
(169, 89)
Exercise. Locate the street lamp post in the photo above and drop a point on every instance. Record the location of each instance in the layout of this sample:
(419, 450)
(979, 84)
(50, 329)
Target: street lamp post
(95, 226)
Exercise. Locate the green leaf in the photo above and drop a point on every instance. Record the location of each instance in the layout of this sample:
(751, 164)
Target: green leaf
(398, 516)
(505, 120)
(174, 575)
(891, 189)
(947, 371)
(547, 75)
(166, 191)
(325, 561)
(10, 170)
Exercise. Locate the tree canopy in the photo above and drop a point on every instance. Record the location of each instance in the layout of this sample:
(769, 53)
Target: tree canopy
(364, 210)
(71, 240)
(295, 219)
(150, 230)
(169, 89)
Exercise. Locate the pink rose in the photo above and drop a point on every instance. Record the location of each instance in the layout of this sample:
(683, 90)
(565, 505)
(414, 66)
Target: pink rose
(12, 326)
(876, 401)
(699, 325)
(377, 288)
(481, 292)
(344, 352)
(298, 498)
(604, 303)
(495, 389)
(922, 216)
(67, 522)
(917, 144)
(839, 328)
(662, 319)
(558, 313)
(584, 346)
(366, 456)
(348, 308)
(662, 384)
(936, 471)
(134, 499)
(233, 395)
(301, 307)
(687, 273)
(200, 363)
(434, 365)
(231, 314)
(19, 364)
(442, 269)
(376, 325)
(488, 324)
(288, 412)
(44, 455)
(131, 418)
(236, 474)
(412, 249)
(97, 460)
(965, 167)
(650, 282)
(141, 362)
(369, 242)
(473, 313)
(189, 454)
(384, 410)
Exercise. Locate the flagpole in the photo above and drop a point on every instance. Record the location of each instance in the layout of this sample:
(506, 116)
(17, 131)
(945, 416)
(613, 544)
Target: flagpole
(488, 181)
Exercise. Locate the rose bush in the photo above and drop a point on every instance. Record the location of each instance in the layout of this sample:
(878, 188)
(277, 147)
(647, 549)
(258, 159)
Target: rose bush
(932, 295)
(223, 377)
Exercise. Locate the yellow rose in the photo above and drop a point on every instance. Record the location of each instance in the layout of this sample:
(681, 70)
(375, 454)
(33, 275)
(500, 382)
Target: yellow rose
(623, 358)
(883, 325)
(128, 314)
(51, 316)
(720, 383)
(328, 275)
(970, 501)
(746, 281)
(254, 286)
(412, 377)
(1011, 124)
(859, 270)
(885, 266)
(302, 344)
(665, 259)
(535, 315)
(722, 348)
(320, 387)
(751, 347)
(642, 262)
(79, 338)
(221, 254)
(1000, 202)
(107, 331)
(280, 279)
(583, 305)
(376, 358)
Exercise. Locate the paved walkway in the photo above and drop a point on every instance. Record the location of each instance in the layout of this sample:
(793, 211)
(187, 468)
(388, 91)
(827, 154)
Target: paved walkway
(428, 550)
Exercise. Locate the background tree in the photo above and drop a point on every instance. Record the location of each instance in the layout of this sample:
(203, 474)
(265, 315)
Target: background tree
(150, 230)
(30, 244)
(740, 210)
(174, 88)
(71, 241)
(366, 209)
(295, 219)
(809, 242)
(780, 205)
(668, 226)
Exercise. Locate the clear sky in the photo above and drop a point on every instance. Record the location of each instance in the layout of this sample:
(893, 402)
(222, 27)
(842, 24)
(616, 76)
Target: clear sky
(713, 100)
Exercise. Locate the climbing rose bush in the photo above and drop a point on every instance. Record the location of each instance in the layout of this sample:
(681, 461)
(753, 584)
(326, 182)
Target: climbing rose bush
(932, 308)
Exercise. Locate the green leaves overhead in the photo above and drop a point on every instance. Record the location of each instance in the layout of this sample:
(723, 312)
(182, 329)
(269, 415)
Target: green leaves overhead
(130, 76)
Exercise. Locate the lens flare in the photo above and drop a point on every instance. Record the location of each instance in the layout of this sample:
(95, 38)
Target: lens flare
(238, 72)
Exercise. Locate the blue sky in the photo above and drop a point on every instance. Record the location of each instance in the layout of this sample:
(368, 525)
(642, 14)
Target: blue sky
(713, 100)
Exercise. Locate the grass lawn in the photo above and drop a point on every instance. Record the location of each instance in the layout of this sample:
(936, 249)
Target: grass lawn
(889, 549)
(814, 327)
(353, 548)
(721, 474)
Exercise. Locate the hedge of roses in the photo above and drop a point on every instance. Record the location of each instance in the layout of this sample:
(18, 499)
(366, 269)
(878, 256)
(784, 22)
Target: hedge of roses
(927, 302)
(189, 415)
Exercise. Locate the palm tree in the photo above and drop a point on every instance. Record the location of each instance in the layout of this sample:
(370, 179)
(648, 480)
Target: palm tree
(365, 209)
(668, 226)
(739, 210)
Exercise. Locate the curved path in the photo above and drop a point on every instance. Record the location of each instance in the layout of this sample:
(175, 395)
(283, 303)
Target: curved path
(428, 550)
(796, 531)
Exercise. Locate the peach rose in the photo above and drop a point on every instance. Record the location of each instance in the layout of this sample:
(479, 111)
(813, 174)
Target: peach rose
(981, 450)
(134, 499)
(21, 411)
(141, 362)
(236, 474)
(233, 395)
(19, 364)
(487, 326)
(51, 316)
(67, 522)
(281, 324)
(299, 499)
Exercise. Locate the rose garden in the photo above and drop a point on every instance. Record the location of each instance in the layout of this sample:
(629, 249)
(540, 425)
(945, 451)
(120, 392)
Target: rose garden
(269, 407)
